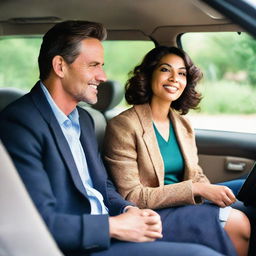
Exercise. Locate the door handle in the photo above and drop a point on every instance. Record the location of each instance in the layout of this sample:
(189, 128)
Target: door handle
(235, 167)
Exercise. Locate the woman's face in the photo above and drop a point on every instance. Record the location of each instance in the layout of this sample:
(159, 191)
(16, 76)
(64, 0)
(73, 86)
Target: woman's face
(169, 79)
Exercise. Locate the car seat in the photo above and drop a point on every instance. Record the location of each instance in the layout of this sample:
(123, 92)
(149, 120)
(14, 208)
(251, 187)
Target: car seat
(22, 231)
(8, 95)
(110, 93)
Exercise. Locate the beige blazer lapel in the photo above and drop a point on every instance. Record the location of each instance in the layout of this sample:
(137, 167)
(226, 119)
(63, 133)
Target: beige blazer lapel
(145, 117)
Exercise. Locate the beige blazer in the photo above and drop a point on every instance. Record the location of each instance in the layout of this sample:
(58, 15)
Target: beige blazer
(135, 163)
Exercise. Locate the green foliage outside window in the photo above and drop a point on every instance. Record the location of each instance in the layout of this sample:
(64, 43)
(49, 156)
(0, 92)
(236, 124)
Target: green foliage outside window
(223, 55)
(228, 63)
(18, 62)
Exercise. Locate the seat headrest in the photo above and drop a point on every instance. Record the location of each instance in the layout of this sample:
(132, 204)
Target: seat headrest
(110, 93)
(99, 122)
(8, 95)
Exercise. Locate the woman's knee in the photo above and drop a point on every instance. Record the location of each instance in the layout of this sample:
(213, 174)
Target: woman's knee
(238, 225)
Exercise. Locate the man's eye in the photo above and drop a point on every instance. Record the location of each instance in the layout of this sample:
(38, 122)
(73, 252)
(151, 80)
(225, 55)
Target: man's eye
(94, 64)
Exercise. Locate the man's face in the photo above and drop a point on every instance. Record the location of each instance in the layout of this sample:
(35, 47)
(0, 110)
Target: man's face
(83, 76)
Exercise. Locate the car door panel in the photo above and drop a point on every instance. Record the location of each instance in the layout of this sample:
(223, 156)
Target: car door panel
(225, 155)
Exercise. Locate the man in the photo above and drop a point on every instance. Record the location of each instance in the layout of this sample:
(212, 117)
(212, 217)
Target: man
(53, 146)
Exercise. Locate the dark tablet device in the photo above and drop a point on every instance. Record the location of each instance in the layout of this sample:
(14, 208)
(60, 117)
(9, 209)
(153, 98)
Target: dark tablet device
(247, 193)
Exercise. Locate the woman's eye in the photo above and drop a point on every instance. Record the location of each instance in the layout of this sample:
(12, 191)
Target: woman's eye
(183, 74)
(164, 69)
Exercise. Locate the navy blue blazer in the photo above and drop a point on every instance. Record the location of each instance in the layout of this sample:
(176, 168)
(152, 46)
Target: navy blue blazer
(34, 139)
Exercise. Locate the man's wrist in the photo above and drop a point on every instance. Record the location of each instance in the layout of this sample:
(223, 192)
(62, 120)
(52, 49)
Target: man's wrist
(126, 208)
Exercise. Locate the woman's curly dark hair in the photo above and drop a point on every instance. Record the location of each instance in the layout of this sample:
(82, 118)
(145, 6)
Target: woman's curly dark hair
(138, 88)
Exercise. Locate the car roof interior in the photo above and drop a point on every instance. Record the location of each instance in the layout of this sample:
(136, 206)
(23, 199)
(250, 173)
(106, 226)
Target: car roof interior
(125, 20)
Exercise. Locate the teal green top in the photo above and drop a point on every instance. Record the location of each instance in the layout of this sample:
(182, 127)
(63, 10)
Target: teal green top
(172, 157)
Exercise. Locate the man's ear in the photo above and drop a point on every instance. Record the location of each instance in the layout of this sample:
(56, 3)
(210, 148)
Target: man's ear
(58, 65)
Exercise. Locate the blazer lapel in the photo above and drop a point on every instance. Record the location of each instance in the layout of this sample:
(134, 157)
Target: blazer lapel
(145, 117)
(67, 156)
(44, 108)
(88, 141)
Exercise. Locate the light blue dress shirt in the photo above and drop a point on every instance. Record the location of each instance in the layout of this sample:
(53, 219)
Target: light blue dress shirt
(71, 129)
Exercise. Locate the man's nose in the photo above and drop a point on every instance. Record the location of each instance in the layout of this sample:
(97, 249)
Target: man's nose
(102, 77)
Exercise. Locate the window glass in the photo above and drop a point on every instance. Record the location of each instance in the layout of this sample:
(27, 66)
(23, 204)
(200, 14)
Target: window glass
(121, 57)
(228, 62)
(18, 62)
(19, 68)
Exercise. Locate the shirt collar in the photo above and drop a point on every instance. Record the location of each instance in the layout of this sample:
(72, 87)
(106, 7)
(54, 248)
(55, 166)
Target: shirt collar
(60, 116)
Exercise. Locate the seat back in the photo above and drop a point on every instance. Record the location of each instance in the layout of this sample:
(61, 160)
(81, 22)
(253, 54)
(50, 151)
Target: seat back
(22, 231)
(99, 122)
(8, 95)
(110, 93)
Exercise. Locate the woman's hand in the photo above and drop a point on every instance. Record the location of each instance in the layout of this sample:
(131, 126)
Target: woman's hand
(220, 195)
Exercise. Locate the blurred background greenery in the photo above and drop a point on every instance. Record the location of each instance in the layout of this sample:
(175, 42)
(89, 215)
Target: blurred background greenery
(228, 61)
(18, 62)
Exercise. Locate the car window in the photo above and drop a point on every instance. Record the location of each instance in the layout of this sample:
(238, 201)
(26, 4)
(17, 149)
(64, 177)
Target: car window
(18, 63)
(122, 56)
(120, 59)
(226, 59)
(228, 87)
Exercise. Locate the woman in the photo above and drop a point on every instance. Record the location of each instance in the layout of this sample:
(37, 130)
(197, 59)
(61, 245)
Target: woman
(150, 148)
